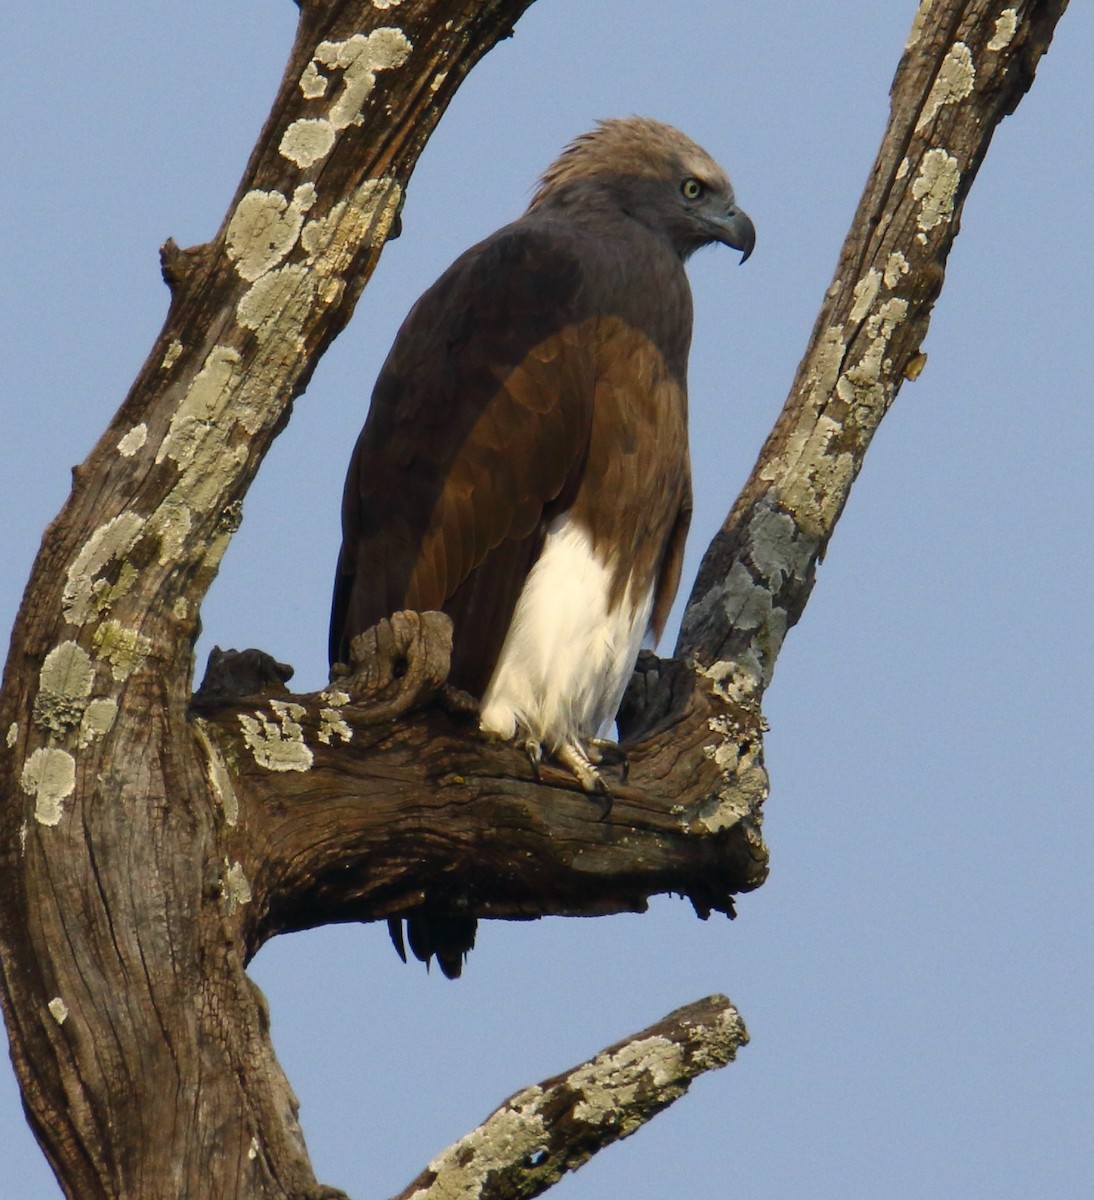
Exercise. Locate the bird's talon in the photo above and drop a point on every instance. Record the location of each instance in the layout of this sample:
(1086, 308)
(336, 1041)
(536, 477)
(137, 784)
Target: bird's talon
(534, 751)
(609, 754)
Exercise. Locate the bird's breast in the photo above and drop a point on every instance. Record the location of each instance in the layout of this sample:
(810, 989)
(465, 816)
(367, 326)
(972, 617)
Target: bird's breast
(571, 645)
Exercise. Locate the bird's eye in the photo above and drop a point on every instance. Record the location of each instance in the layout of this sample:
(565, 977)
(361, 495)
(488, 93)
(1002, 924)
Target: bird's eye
(692, 189)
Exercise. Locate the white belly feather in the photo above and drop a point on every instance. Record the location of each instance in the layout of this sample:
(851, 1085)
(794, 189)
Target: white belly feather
(567, 657)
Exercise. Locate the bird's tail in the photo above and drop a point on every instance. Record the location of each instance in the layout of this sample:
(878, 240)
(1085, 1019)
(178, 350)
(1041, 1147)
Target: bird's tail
(450, 939)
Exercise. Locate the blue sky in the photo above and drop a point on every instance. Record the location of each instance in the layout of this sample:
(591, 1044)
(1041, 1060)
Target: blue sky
(917, 972)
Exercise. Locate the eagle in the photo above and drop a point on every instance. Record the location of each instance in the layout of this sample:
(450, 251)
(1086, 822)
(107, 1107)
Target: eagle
(524, 464)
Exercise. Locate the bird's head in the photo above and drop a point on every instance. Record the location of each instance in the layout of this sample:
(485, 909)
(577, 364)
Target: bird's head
(653, 174)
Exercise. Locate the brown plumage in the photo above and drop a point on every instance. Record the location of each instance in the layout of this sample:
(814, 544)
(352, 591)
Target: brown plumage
(524, 465)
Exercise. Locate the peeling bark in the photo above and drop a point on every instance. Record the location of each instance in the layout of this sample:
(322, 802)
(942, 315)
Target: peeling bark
(148, 848)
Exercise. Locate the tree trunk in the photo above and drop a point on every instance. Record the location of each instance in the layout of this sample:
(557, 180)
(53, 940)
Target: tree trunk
(148, 850)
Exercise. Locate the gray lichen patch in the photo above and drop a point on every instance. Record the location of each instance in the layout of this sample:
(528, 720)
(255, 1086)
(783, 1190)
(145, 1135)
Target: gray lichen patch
(13, 734)
(1006, 25)
(277, 745)
(750, 605)
(743, 791)
(777, 548)
(366, 215)
(234, 887)
(747, 603)
(516, 1132)
(99, 718)
(264, 228)
(216, 771)
(617, 1079)
(124, 649)
(49, 775)
(331, 722)
(58, 1010)
(310, 139)
(86, 594)
(952, 84)
(131, 442)
(64, 685)
(935, 187)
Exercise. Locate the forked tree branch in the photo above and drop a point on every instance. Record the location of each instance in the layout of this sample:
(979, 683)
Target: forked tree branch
(147, 853)
(687, 818)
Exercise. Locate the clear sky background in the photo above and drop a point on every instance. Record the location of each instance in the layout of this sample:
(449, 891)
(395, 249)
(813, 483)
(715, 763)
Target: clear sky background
(917, 973)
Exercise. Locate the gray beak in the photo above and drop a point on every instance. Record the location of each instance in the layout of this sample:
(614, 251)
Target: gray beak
(735, 229)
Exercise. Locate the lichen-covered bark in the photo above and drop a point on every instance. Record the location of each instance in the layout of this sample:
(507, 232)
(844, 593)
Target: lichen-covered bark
(535, 1137)
(964, 68)
(146, 848)
(376, 796)
(140, 1044)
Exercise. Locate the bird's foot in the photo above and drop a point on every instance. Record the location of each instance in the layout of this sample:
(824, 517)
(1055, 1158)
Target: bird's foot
(534, 749)
(581, 761)
(606, 753)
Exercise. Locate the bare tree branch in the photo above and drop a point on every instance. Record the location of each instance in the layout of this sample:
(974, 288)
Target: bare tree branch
(965, 67)
(535, 1137)
(116, 882)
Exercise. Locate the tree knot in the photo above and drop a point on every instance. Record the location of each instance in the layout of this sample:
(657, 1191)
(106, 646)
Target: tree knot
(399, 664)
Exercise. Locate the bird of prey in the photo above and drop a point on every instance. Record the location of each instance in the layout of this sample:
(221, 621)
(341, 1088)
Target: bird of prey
(524, 465)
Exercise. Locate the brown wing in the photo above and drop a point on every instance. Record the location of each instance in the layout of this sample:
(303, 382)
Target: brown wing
(476, 436)
(636, 487)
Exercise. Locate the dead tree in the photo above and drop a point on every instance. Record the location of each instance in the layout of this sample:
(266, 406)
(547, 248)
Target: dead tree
(148, 849)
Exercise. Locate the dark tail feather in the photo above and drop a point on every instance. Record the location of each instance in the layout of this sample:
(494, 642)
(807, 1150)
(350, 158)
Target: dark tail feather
(395, 930)
(449, 939)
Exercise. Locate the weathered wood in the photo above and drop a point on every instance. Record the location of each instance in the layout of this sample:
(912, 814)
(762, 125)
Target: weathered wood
(145, 851)
(535, 1137)
(380, 802)
(966, 66)
(140, 1044)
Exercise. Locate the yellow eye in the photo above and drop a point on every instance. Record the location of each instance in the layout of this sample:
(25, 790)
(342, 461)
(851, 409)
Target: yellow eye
(692, 189)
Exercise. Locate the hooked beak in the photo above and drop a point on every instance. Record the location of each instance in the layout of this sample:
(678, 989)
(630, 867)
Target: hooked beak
(735, 229)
